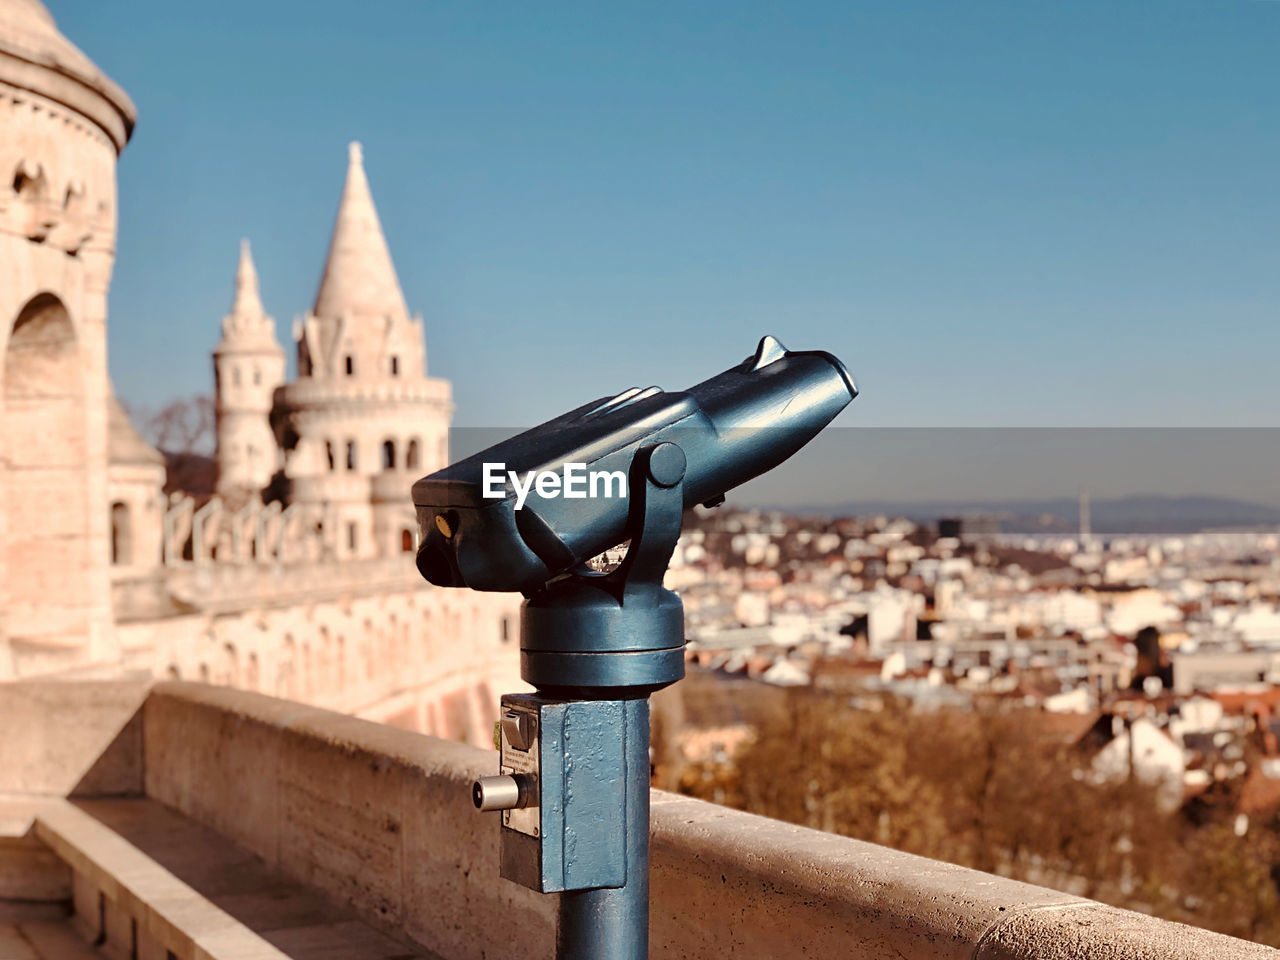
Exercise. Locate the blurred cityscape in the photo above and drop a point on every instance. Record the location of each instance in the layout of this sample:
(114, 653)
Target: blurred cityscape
(1139, 674)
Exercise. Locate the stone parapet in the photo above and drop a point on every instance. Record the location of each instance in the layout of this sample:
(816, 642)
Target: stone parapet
(227, 587)
(315, 393)
(381, 819)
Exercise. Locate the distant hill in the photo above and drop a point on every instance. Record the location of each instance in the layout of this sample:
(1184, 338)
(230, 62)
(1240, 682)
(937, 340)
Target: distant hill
(1135, 514)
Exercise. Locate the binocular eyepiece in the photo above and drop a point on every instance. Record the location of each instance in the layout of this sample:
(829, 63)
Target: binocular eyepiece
(542, 503)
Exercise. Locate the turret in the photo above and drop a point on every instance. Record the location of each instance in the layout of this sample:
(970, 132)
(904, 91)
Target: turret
(359, 327)
(62, 125)
(248, 365)
(362, 406)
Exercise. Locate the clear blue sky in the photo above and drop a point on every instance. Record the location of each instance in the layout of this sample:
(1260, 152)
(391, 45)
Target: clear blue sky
(997, 213)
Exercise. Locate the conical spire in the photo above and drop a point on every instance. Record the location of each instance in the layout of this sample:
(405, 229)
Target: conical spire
(248, 301)
(359, 277)
(247, 321)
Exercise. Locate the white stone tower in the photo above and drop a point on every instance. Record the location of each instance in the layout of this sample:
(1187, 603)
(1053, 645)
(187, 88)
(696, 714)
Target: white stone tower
(363, 420)
(62, 126)
(248, 365)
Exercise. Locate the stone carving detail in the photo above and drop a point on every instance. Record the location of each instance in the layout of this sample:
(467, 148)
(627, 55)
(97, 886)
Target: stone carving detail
(37, 205)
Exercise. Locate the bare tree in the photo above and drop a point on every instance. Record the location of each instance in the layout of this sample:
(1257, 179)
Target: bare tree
(184, 430)
(184, 426)
(998, 789)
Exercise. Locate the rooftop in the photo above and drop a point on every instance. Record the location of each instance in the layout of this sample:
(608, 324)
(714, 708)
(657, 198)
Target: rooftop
(34, 55)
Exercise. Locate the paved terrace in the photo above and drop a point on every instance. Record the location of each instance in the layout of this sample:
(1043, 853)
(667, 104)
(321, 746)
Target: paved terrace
(182, 821)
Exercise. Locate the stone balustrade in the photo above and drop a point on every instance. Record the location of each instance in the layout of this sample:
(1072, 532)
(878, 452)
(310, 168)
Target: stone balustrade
(319, 392)
(225, 587)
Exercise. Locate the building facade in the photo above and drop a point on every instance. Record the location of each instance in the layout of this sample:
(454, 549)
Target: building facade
(63, 126)
(297, 577)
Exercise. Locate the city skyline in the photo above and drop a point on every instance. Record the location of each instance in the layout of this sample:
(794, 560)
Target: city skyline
(995, 216)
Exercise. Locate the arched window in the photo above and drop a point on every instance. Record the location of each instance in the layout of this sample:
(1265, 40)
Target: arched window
(44, 398)
(351, 454)
(29, 186)
(411, 454)
(328, 452)
(353, 536)
(406, 540)
(121, 534)
(388, 454)
(395, 366)
(351, 365)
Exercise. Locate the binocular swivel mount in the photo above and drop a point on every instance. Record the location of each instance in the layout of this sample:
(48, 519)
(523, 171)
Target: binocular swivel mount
(573, 787)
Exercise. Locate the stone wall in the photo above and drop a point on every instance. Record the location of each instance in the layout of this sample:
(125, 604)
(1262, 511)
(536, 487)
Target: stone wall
(382, 819)
(422, 658)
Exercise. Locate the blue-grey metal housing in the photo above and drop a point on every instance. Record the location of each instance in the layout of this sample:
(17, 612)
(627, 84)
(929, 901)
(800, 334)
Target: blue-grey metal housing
(731, 428)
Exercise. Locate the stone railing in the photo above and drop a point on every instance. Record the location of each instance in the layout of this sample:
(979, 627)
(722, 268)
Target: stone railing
(379, 820)
(231, 587)
(342, 392)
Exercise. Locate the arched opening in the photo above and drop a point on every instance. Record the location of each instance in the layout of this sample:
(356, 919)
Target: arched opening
(395, 366)
(388, 454)
(29, 185)
(328, 453)
(121, 535)
(406, 540)
(45, 522)
(412, 456)
(231, 676)
(285, 685)
(351, 454)
(350, 365)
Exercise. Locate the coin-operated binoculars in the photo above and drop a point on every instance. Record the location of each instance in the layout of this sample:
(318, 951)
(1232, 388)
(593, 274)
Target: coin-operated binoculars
(526, 515)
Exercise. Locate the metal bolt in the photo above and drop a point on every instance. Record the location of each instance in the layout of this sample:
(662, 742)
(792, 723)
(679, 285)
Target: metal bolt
(500, 792)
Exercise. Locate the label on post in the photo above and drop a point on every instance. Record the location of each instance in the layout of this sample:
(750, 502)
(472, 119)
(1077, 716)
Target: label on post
(520, 748)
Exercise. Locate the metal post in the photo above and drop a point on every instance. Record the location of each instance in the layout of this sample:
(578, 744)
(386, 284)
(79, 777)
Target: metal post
(613, 924)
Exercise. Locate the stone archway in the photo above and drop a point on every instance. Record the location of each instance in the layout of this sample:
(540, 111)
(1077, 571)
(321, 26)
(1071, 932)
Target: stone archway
(44, 476)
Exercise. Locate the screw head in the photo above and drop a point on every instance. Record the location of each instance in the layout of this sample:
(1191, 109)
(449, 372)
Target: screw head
(667, 464)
